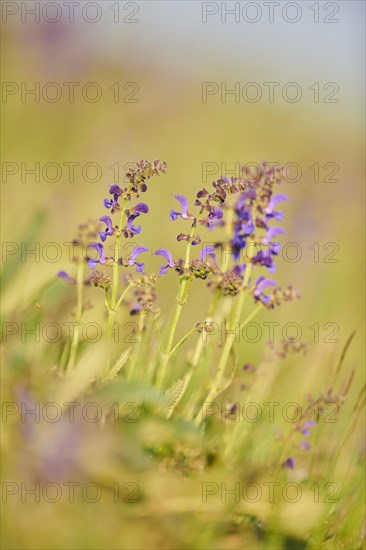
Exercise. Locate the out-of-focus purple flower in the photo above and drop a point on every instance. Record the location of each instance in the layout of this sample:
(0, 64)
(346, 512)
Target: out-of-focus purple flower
(305, 445)
(243, 228)
(305, 427)
(169, 258)
(215, 214)
(273, 232)
(132, 260)
(266, 257)
(174, 214)
(100, 249)
(239, 269)
(65, 276)
(140, 208)
(103, 234)
(249, 367)
(71, 280)
(269, 210)
(207, 251)
(261, 284)
(289, 463)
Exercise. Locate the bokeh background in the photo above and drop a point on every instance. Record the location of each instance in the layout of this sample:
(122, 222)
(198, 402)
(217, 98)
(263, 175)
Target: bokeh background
(167, 52)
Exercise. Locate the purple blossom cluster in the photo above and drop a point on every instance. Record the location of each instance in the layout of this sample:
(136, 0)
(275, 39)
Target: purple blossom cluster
(254, 212)
(253, 225)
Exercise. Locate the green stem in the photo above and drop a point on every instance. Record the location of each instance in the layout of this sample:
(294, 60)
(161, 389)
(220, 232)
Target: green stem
(139, 336)
(78, 317)
(122, 297)
(182, 293)
(115, 280)
(182, 340)
(234, 319)
(197, 356)
(236, 436)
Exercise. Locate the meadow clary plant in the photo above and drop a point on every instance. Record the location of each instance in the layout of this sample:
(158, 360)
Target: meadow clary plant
(245, 212)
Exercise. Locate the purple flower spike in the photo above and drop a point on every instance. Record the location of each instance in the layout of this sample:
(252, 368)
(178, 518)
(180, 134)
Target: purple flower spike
(169, 258)
(289, 463)
(207, 251)
(65, 276)
(100, 249)
(133, 258)
(103, 234)
(305, 428)
(184, 204)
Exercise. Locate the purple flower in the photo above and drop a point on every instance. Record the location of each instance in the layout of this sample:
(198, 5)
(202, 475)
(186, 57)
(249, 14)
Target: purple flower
(169, 258)
(103, 234)
(65, 276)
(266, 257)
(289, 463)
(140, 208)
(100, 249)
(215, 214)
(243, 228)
(116, 191)
(260, 284)
(305, 427)
(207, 251)
(184, 204)
(273, 232)
(305, 445)
(132, 260)
(275, 199)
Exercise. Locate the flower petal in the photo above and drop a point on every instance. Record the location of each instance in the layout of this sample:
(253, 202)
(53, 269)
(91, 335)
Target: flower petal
(264, 283)
(115, 190)
(184, 204)
(273, 232)
(289, 463)
(107, 220)
(65, 276)
(141, 208)
(207, 251)
(100, 250)
(165, 254)
(275, 199)
(136, 252)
